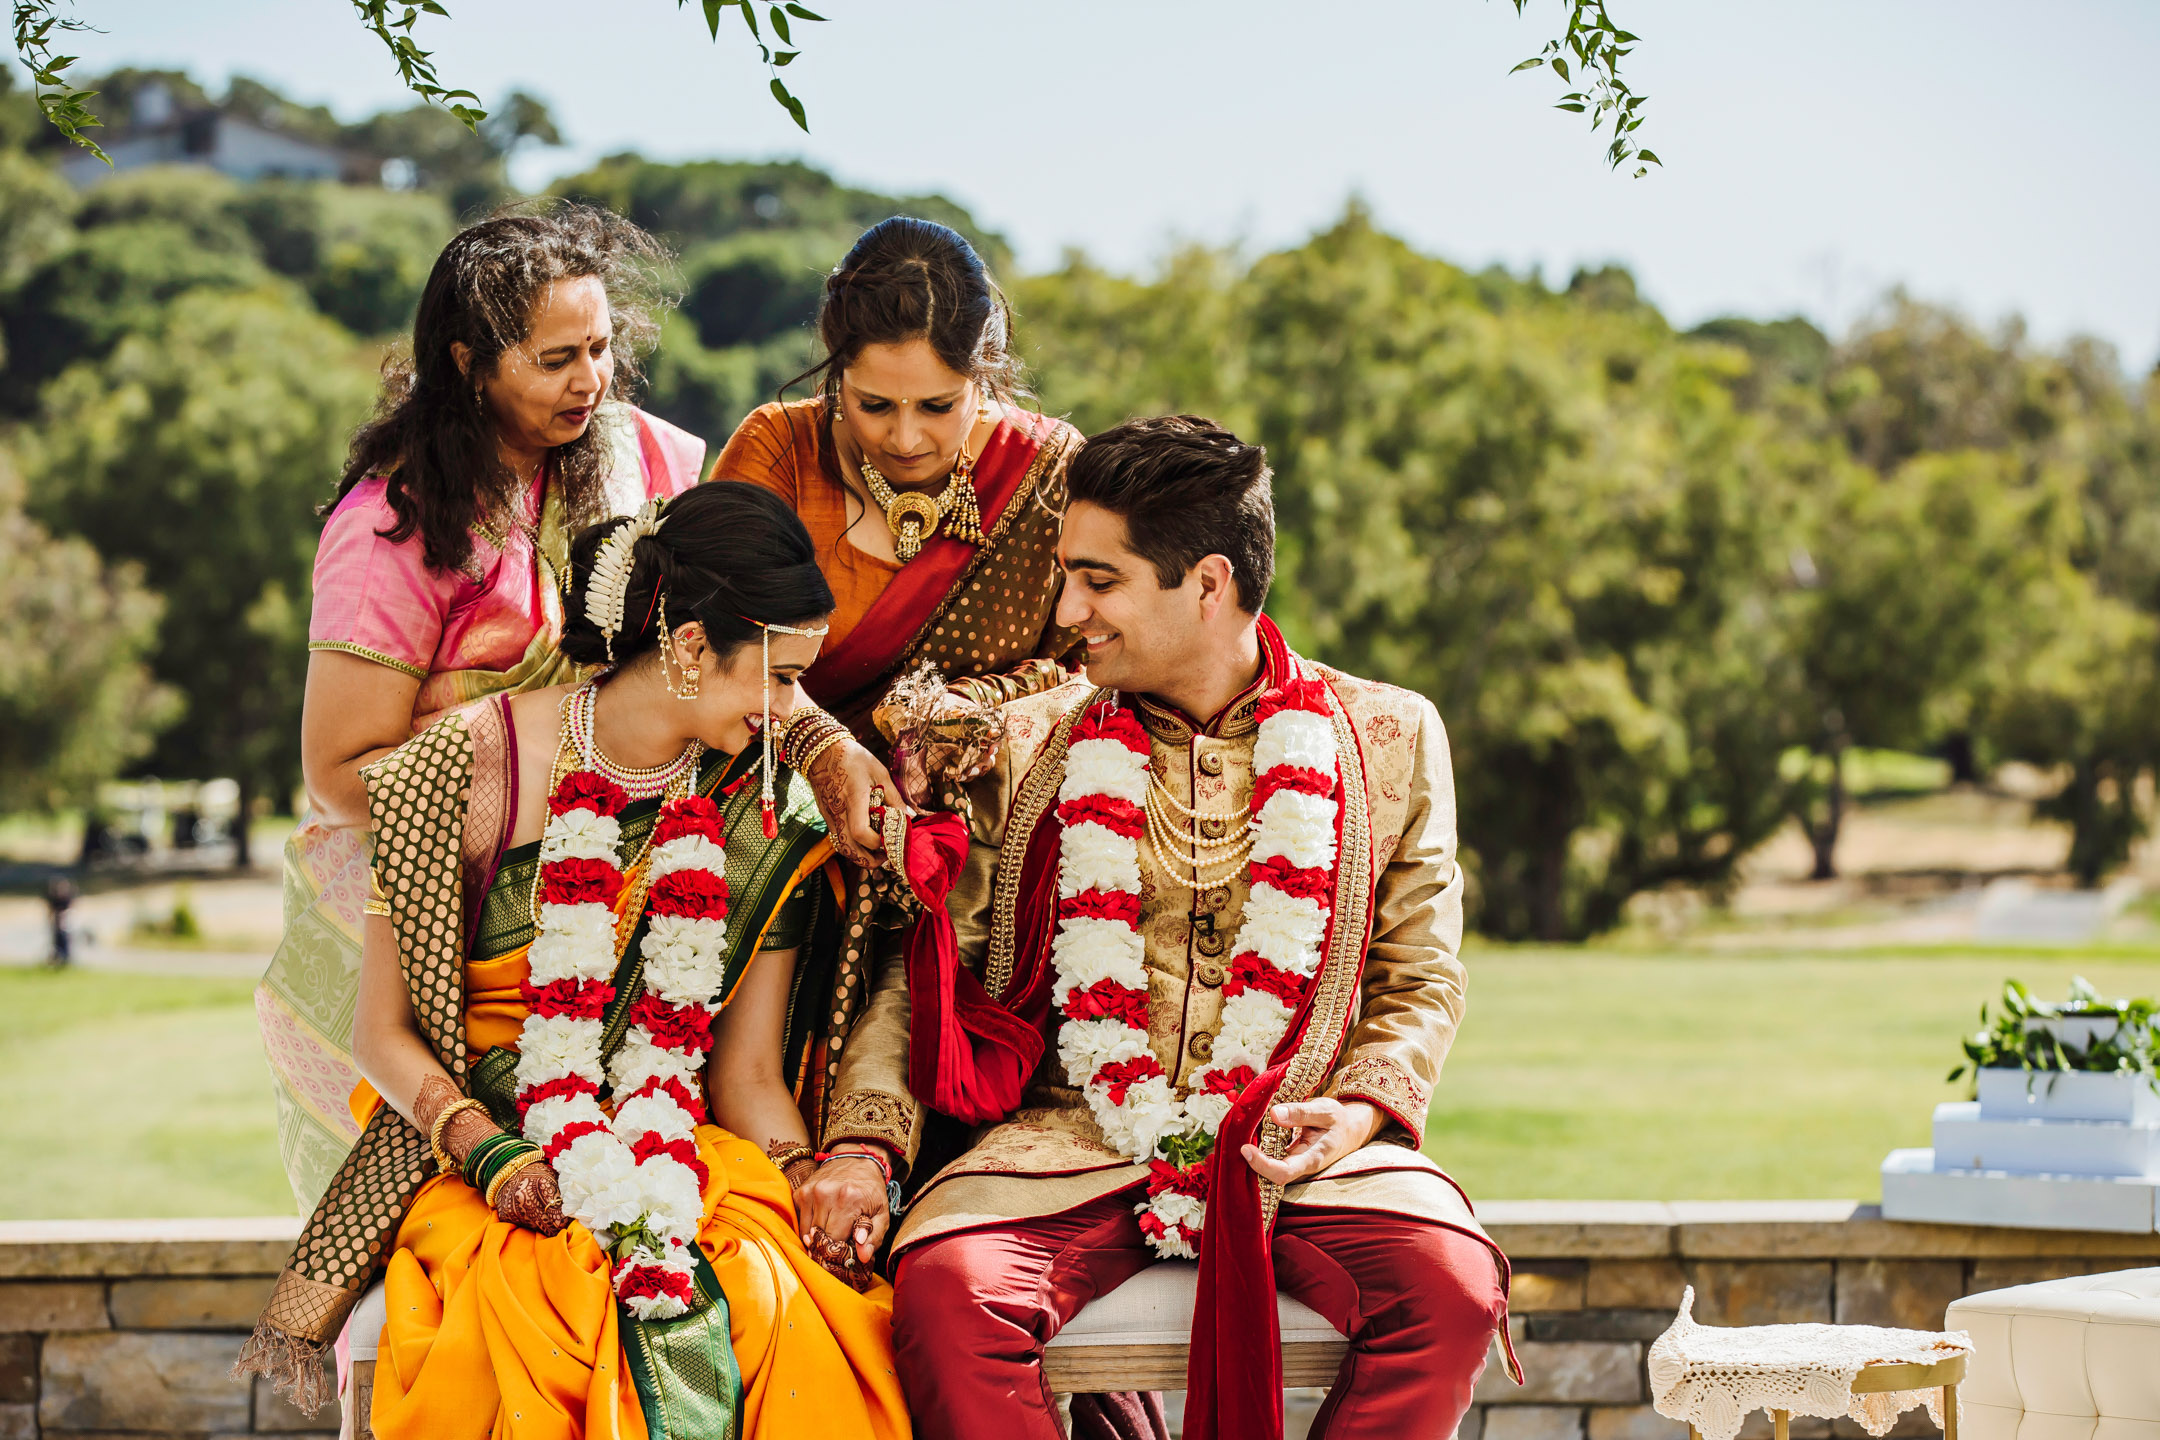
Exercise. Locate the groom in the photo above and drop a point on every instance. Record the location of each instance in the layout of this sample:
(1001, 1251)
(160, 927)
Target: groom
(1201, 979)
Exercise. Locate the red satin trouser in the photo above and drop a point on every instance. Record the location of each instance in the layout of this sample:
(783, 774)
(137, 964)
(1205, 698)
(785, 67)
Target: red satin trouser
(972, 1311)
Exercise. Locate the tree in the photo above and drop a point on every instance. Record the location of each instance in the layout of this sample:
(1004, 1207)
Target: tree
(1911, 583)
(77, 702)
(198, 449)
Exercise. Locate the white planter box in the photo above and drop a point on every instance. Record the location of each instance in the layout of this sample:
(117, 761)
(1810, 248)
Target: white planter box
(2068, 1095)
(1965, 1140)
(2077, 1030)
(1913, 1189)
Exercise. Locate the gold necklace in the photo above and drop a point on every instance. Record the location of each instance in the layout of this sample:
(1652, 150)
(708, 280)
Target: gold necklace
(915, 517)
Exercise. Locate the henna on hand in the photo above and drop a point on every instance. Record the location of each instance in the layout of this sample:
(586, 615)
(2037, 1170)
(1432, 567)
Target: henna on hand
(829, 779)
(436, 1095)
(532, 1200)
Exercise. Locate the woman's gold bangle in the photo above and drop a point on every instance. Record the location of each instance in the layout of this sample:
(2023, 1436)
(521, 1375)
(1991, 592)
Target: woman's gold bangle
(495, 1186)
(825, 743)
(443, 1162)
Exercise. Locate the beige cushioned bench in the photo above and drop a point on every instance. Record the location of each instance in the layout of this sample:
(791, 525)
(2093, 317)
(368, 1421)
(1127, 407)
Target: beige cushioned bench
(2075, 1359)
(1136, 1337)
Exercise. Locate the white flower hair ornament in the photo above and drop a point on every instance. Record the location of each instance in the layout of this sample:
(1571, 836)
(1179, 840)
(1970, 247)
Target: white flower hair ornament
(608, 589)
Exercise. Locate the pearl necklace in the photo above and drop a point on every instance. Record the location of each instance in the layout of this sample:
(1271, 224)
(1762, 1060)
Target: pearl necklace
(642, 784)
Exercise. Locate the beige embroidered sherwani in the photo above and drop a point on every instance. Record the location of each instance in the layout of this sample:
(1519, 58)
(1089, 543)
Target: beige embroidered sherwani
(1399, 1001)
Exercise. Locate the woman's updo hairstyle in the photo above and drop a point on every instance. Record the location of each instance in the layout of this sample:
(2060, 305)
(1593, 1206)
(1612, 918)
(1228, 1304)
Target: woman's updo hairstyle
(726, 554)
(909, 279)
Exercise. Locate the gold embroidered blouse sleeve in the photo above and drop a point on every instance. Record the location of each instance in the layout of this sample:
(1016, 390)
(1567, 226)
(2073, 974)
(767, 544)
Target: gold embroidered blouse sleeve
(872, 1101)
(1413, 986)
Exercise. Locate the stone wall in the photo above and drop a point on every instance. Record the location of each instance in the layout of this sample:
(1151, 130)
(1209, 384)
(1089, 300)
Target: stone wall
(126, 1328)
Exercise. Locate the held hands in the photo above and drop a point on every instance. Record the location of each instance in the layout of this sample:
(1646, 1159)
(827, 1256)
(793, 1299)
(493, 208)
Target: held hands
(842, 779)
(1321, 1133)
(843, 1213)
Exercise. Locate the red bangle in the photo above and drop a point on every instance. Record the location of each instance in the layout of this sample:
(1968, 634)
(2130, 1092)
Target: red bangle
(884, 1165)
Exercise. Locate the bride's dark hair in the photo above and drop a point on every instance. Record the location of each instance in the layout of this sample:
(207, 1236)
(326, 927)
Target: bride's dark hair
(727, 555)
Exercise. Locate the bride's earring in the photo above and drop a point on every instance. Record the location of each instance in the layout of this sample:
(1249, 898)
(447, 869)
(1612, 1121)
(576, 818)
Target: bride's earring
(692, 678)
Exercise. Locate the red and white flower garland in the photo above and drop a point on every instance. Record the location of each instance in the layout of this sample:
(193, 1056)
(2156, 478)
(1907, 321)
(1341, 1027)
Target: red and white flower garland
(1099, 959)
(635, 1179)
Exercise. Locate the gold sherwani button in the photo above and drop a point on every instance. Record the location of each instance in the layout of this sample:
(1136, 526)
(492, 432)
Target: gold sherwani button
(1210, 944)
(1214, 900)
(1201, 1045)
(1211, 762)
(1209, 975)
(1212, 827)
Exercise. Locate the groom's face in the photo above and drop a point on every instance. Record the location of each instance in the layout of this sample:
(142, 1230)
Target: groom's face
(1139, 635)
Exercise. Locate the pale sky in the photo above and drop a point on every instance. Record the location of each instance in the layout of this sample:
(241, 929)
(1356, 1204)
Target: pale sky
(1994, 156)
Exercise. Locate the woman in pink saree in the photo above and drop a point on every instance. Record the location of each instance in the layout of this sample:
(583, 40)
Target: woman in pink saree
(439, 576)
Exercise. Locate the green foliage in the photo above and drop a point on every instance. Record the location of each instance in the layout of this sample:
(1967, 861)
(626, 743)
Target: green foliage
(77, 703)
(1597, 46)
(197, 449)
(2022, 1037)
(393, 25)
(38, 24)
(362, 254)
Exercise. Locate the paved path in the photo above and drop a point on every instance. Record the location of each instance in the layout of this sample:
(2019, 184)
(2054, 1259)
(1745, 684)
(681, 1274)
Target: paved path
(241, 918)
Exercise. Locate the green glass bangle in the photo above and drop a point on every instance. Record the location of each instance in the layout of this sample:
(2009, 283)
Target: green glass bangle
(476, 1157)
(500, 1158)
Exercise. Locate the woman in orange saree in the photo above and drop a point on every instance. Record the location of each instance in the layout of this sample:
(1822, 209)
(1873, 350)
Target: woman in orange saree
(579, 996)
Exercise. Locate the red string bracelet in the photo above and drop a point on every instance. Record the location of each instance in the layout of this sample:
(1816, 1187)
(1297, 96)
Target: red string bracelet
(884, 1165)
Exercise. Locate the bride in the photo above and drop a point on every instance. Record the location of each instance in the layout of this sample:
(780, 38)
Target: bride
(601, 933)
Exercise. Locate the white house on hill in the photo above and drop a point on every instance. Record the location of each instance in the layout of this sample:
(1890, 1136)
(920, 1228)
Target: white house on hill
(162, 133)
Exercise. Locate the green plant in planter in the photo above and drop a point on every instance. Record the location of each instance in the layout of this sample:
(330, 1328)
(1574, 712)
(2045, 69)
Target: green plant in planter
(2014, 1041)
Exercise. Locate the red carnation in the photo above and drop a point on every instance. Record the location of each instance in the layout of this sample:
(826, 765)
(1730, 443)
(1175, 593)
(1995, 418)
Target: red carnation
(580, 881)
(652, 1282)
(650, 1144)
(560, 1088)
(1164, 1176)
(1120, 817)
(1102, 905)
(1308, 694)
(1118, 725)
(692, 815)
(584, 790)
(1303, 884)
(1152, 1226)
(1121, 1075)
(1301, 778)
(580, 999)
(1108, 1000)
(1228, 1082)
(674, 1027)
(672, 1087)
(1249, 972)
(569, 1135)
(694, 894)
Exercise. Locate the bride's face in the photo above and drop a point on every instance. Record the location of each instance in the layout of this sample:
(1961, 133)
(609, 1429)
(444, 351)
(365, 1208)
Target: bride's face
(729, 710)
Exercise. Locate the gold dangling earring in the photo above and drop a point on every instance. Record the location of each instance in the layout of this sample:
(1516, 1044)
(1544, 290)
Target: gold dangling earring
(693, 680)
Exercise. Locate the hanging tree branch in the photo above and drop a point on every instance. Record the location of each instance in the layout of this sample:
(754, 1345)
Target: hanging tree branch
(1595, 44)
(36, 23)
(1597, 47)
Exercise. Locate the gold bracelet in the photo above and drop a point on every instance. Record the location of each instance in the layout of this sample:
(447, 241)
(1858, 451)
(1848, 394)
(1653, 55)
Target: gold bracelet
(796, 737)
(817, 750)
(378, 901)
(443, 1162)
(523, 1162)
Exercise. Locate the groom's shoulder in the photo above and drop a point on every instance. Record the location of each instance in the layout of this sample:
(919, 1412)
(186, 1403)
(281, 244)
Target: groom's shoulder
(1381, 713)
(1031, 720)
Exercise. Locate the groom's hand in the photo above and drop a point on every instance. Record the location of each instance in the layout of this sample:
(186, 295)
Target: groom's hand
(1321, 1133)
(845, 1198)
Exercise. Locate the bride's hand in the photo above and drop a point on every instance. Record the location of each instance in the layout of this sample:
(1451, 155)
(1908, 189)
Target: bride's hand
(532, 1199)
(843, 779)
(844, 1199)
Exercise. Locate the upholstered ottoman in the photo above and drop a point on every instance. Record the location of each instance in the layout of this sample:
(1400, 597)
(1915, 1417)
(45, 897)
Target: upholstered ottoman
(1135, 1338)
(2075, 1359)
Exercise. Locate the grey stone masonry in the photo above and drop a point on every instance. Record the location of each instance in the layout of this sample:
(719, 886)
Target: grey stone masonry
(125, 1329)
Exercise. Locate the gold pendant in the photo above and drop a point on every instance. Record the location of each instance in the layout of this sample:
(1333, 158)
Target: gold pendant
(914, 519)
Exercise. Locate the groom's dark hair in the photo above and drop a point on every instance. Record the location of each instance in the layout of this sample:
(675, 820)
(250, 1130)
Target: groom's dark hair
(1187, 489)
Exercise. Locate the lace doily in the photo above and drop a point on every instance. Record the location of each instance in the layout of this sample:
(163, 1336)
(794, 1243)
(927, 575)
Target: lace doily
(1712, 1376)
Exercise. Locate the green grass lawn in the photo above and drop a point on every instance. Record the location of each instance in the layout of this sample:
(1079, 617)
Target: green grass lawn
(131, 1095)
(1597, 1073)
(1604, 1074)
